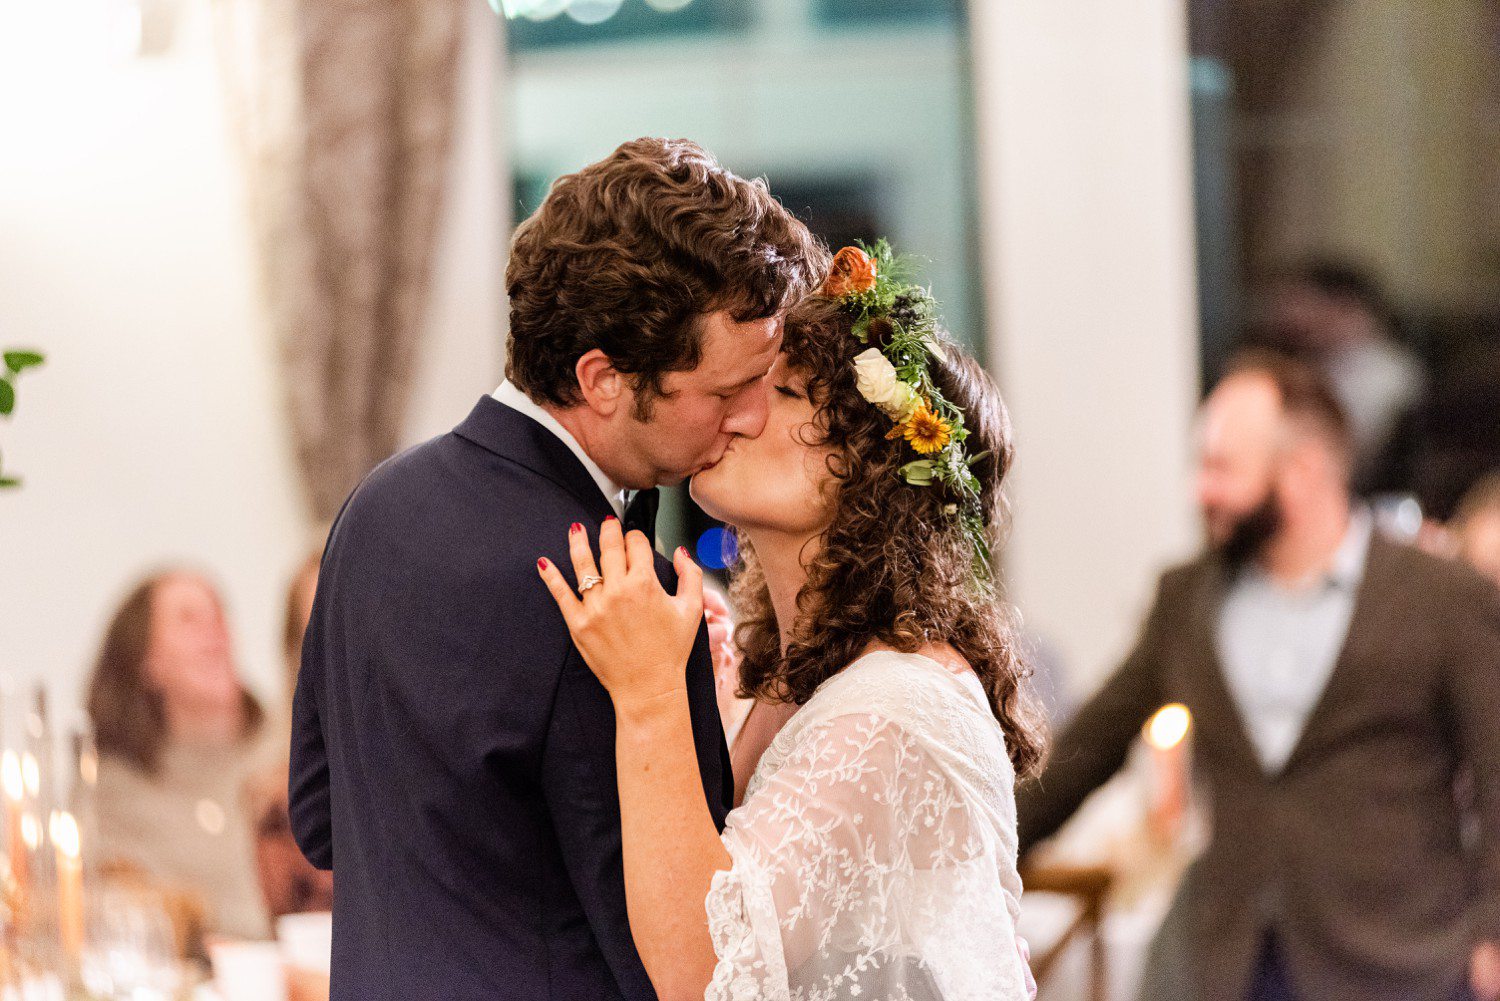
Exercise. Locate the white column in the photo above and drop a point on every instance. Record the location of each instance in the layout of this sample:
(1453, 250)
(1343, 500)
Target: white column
(1083, 147)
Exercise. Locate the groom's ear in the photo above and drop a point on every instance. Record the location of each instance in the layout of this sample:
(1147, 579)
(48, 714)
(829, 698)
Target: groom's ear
(602, 386)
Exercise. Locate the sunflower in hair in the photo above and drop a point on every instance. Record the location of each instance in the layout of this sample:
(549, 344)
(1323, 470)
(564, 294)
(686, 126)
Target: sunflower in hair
(925, 431)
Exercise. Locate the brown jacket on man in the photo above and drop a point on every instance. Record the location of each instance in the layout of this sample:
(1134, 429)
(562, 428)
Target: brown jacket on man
(1354, 853)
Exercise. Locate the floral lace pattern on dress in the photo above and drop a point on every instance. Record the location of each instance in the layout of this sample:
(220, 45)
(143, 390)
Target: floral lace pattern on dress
(874, 857)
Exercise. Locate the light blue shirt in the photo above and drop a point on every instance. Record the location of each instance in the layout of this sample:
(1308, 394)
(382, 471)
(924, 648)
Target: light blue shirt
(1278, 645)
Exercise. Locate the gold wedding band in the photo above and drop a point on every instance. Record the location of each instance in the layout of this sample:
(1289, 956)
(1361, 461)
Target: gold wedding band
(588, 582)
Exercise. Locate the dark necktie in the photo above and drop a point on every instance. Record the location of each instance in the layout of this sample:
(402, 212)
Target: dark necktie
(640, 513)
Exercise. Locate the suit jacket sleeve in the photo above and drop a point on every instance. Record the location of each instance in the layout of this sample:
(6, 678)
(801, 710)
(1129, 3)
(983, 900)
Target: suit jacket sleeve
(579, 784)
(1093, 746)
(1474, 687)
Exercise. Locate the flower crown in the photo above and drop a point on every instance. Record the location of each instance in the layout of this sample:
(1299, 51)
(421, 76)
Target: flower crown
(898, 319)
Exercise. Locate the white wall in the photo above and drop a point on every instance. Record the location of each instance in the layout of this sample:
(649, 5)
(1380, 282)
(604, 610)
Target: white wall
(155, 432)
(1087, 236)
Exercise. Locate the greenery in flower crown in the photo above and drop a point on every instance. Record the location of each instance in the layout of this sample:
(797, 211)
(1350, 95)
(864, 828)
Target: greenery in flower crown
(898, 318)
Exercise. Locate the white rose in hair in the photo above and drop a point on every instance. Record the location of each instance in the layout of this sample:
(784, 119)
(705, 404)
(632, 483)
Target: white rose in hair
(878, 383)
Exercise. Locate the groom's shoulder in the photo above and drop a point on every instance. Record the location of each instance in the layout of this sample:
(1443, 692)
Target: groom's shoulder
(447, 494)
(451, 471)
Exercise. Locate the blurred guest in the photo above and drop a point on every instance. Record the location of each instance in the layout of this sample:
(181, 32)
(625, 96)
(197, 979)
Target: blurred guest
(299, 602)
(1339, 683)
(1476, 527)
(290, 883)
(1338, 316)
(178, 735)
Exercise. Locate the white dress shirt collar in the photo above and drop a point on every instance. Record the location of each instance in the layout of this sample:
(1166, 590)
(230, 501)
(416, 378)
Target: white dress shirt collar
(519, 401)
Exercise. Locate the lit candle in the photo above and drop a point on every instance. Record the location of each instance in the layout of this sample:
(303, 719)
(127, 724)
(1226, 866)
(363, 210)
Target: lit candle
(31, 774)
(15, 837)
(1166, 734)
(67, 841)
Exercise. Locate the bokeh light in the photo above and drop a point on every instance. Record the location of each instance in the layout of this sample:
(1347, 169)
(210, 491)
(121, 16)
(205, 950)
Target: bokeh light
(593, 11)
(717, 549)
(532, 10)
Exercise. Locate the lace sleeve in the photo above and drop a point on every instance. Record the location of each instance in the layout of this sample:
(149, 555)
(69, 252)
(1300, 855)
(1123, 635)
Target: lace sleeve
(860, 871)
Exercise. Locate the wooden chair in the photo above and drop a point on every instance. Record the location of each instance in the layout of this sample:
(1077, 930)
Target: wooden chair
(1089, 887)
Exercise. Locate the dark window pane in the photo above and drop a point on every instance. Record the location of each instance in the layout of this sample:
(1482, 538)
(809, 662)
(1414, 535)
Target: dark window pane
(846, 12)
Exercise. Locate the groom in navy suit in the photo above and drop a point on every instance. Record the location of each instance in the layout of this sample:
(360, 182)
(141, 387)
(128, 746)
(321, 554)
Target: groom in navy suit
(452, 756)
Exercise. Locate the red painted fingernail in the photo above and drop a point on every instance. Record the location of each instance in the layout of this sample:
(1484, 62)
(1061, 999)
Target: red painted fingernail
(611, 518)
(542, 564)
(682, 550)
(576, 528)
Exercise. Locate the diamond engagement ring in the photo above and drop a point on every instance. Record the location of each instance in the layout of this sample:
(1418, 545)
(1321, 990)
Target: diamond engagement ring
(588, 582)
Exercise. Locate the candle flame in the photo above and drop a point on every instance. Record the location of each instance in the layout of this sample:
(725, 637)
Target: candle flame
(65, 834)
(10, 769)
(88, 768)
(31, 832)
(32, 772)
(1169, 726)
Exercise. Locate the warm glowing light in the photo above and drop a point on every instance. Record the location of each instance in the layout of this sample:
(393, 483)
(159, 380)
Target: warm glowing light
(32, 773)
(10, 770)
(1169, 726)
(68, 34)
(88, 768)
(65, 835)
(210, 816)
(31, 832)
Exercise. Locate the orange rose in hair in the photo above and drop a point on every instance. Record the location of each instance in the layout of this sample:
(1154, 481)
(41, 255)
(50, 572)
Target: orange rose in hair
(852, 272)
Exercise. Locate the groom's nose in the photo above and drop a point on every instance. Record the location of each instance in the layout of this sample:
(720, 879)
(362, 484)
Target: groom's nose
(748, 410)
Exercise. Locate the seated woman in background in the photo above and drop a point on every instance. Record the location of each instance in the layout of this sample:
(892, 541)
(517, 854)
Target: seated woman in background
(178, 737)
(290, 883)
(299, 602)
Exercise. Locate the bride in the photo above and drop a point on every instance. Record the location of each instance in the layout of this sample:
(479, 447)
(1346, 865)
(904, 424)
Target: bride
(874, 856)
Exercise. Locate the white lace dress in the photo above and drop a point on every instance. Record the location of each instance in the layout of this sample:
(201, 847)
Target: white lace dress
(875, 854)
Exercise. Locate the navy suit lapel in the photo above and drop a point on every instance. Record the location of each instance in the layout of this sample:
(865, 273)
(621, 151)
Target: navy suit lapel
(512, 435)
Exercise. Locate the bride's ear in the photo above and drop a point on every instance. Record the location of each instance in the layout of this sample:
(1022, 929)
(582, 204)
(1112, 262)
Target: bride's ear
(602, 386)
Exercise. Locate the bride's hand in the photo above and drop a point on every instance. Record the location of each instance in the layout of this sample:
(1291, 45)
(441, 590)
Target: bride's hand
(634, 636)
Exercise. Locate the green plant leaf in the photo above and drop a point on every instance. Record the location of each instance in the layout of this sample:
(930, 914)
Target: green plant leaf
(17, 361)
(7, 398)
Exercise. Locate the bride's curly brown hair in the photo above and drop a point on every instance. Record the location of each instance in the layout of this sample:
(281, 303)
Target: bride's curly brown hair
(893, 567)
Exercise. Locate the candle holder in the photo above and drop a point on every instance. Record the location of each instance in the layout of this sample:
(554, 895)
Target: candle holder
(42, 880)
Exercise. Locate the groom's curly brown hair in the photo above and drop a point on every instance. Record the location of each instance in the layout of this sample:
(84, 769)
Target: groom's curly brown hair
(626, 256)
(893, 565)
